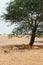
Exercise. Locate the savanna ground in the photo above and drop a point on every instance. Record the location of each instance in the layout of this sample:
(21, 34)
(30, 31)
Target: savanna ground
(11, 55)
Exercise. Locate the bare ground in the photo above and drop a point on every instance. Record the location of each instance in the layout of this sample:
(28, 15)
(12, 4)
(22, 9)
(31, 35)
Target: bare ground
(11, 55)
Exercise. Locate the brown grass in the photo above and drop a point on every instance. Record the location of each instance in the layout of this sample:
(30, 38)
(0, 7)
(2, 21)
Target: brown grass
(15, 51)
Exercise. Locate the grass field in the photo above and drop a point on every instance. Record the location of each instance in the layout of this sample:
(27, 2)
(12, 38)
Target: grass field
(11, 55)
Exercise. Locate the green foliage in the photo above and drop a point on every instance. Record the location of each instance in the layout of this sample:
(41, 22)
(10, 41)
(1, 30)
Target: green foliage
(30, 11)
(18, 10)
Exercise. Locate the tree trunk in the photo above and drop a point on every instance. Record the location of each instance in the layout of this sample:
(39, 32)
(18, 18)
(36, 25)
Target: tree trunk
(33, 36)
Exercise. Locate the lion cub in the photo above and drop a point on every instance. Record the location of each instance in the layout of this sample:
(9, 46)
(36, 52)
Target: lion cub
(26, 46)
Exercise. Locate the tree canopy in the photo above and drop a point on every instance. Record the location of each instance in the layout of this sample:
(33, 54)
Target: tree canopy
(18, 10)
(24, 10)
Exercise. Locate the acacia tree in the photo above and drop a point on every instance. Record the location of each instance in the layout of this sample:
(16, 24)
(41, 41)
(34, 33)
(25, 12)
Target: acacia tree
(28, 11)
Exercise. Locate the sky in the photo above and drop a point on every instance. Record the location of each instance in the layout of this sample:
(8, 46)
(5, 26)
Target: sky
(5, 28)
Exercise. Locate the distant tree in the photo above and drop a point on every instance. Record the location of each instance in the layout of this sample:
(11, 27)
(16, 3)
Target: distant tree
(28, 12)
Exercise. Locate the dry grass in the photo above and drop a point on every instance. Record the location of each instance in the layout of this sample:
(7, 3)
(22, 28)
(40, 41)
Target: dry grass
(11, 54)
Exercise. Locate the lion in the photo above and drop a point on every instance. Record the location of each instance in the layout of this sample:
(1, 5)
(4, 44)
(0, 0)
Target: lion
(26, 46)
